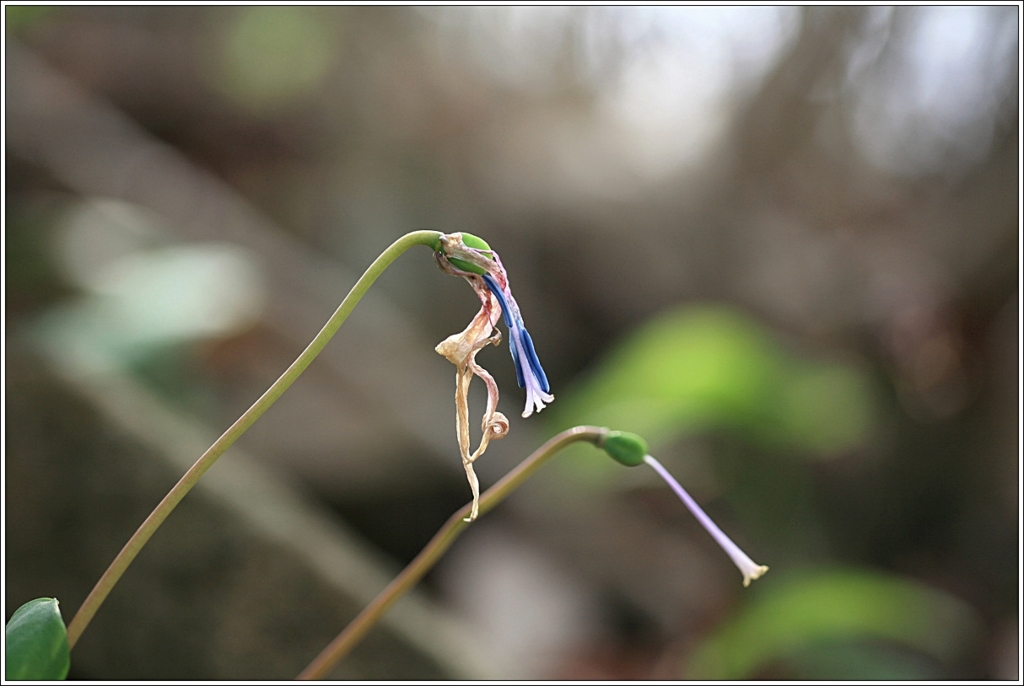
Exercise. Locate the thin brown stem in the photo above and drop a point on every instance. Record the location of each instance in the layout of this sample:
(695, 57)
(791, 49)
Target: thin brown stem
(438, 545)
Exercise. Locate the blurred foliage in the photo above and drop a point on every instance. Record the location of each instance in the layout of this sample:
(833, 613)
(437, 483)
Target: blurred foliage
(23, 17)
(271, 57)
(837, 610)
(699, 368)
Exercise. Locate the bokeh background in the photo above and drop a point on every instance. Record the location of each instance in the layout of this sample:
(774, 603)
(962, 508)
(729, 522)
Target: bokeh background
(780, 243)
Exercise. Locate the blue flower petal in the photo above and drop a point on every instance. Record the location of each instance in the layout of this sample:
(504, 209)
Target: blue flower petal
(524, 346)
(531, 356)
(515, 359)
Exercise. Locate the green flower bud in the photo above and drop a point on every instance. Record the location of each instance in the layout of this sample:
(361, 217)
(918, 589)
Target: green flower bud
(470, 241)
(625, 448)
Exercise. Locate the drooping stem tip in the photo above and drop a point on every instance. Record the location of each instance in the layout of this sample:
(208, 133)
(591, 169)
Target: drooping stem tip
(146, 530)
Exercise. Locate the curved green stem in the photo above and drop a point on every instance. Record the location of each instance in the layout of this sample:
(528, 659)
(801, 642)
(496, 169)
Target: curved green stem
(442, 540)
(145, 531)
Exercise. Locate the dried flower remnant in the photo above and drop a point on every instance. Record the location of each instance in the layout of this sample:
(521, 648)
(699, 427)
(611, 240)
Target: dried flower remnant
(460, 349)
(468, 256)
(471, 258)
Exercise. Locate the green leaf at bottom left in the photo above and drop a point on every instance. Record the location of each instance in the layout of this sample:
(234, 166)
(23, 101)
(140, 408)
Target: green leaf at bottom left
(37, 643)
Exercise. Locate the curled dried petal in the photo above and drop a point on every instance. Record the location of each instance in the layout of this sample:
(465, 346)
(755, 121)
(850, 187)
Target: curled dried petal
(482, 268)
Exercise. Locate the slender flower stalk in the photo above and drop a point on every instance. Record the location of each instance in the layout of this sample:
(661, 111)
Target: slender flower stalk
(625, 448)
(438, 545)
(142, 535)
(750, 569)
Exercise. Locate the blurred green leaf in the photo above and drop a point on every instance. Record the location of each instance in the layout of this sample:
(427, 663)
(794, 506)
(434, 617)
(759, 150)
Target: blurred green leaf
(826, 408)
(22, 17)
(37, 642)
(685, 368)
(805, 609)
(859, 660)
(701, 367)
(274, 55)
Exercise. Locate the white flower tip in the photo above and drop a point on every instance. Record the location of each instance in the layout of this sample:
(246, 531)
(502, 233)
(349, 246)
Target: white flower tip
(753, 574)
(536, 400)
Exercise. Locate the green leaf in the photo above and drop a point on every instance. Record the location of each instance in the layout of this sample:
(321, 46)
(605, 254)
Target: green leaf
(37, 642)
(704, 367)
(810, 609)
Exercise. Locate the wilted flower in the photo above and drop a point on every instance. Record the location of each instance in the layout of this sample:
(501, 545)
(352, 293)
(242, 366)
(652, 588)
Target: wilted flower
(482, 268)
(473, 263)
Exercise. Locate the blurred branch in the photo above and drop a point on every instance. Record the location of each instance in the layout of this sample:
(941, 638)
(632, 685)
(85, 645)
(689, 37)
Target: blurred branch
(95, 150)
(781, 119)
